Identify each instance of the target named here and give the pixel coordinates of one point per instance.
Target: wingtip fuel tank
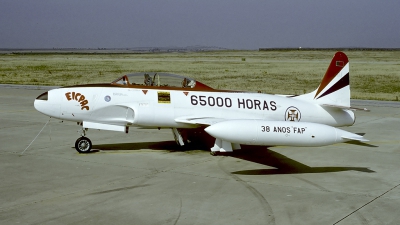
(279, 133)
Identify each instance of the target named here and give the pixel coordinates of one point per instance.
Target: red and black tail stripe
(345, 81)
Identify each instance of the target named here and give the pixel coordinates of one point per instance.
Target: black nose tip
(43, 96)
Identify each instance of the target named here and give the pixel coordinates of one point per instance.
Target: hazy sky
(237, 24)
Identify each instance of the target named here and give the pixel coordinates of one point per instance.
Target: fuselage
(157, 107)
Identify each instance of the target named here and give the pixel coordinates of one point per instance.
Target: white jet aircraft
(189, 107)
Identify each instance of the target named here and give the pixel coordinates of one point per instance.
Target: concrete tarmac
(144, 178)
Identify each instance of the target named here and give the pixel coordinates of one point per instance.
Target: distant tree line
(329, 49)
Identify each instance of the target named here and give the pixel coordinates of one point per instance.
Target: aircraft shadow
(361, 144)
(162, 145)
(257, 154)
(283, 164)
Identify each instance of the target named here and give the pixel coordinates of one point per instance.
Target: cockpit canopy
(155, 79)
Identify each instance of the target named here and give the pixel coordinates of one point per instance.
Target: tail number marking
(210, 101)
(227, 102)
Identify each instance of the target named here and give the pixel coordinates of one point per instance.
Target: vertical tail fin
(334, 88)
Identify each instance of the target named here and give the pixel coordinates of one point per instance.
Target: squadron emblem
(292, 114)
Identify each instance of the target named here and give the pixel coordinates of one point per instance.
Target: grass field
(373, 74)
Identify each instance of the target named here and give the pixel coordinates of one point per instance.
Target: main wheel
(83, 145)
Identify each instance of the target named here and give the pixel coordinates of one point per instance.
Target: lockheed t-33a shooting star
(189, 107)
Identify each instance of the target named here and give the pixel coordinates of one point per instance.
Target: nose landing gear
(83, 144)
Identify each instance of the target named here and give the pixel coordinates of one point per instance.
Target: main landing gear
(83, 144)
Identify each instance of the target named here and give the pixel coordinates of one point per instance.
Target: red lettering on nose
(85, 102)
(68, 95)
(77, 95)
(81, 98)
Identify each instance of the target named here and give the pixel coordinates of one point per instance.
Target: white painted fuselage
(165, 108)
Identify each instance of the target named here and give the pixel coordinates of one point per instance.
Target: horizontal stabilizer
(345, 107)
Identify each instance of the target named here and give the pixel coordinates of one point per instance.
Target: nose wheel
(83, 145)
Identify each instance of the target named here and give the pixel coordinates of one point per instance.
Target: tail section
(335, 86)
(334, 89)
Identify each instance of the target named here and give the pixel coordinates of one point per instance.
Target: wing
(199, 120)
(113, 118)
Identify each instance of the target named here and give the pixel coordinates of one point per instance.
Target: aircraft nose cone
(40, 106)
(40, 102)
(43, 105)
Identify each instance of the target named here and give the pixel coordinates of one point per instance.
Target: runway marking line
(366, 204)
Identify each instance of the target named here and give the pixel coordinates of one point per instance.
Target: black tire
(83, 145)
